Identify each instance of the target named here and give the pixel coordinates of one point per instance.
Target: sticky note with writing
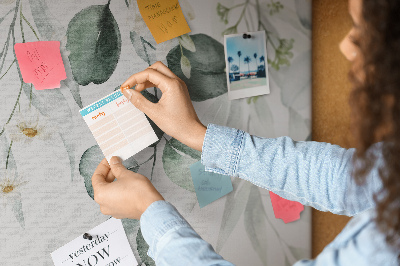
(118, 126)
(209, 186)
(41, 63)
(108, 246)
(287, 210)
(164, 18)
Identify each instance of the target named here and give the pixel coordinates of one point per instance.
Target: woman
(362, 182)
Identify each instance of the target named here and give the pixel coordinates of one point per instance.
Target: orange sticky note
(164, 18)
(41, 63)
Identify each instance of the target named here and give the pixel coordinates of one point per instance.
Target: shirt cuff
(222, 148)
(158, 219)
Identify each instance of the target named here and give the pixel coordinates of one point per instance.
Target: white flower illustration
(27, 126)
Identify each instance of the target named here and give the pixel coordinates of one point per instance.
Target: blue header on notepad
(102, 102)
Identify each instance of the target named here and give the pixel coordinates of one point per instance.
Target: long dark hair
(375, 103)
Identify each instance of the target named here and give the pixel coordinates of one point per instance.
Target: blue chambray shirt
(312, 173)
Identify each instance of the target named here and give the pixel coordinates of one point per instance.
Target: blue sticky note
(209, 186)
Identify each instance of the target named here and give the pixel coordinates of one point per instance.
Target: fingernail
(115, 160)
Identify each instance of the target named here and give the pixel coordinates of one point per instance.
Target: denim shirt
(312, 173)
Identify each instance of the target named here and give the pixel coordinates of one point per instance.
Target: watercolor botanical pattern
(48, 155)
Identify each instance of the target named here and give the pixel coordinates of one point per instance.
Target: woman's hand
(174, 113)
(127, 197)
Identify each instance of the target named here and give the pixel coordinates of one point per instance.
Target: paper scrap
(41, 63)
(109, 246)
(164, 18)
(287, 210)
(118, 126)
(209, 186)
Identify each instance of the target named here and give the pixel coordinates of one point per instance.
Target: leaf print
(234, 206)
(48, 26)
(207, 78)
(177, 158)
(303, 10)
(90, 160)
(46, 103)
(17, 208)
(143, 48)
(295, 92)
(299, 129)
(94, 42)
(131, 226)
(185, 66)
(187, 42)
(255, 223)
(142, 248)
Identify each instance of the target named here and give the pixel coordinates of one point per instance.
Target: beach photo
(246, 64)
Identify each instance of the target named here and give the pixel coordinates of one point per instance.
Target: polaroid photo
(246, 64)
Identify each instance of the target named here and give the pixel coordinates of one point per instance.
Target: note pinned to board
(209, 186)
(41, 64)
(164, 18)
(287, 210)
(118, 126)
(108, 246)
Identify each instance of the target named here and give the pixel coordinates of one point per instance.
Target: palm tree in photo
(255, 58)
(230, 60)
(239, 55)
(262, 59)
(247, 60)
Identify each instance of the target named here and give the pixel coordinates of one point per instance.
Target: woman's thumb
(117, 167)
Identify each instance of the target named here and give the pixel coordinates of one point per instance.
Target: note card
(209, 186)
(109, 246)
(118, 126)
(287, 210)
(164, 18)
(41, 63)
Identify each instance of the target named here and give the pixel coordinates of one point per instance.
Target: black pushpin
(246, 36)
(87, 236)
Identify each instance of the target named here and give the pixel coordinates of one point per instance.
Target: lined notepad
(118, 126)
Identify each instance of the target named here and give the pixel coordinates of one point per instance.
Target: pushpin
(87, 236)
(246, 36)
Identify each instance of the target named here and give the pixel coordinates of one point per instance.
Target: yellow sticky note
(164, 18)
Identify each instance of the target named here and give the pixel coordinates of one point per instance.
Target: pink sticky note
(41, 63)
(288, 211)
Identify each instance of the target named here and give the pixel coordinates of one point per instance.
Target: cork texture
(330, 99)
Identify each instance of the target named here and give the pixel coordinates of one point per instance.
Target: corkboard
(331, 88)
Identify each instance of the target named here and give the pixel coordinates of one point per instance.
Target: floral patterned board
(47, 153)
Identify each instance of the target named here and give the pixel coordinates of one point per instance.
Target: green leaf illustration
(295, 92)
(131, 226)
(143, 48)
(207, 78)
(48, 26)
(142, 248)
(185, 66)
(94, 42)
(234, 206)
(255, 223)
(299, 128)
(177, 158)
(90, 160)
(187, 42)
(303, 10)
(17, 208)
(46, 103)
